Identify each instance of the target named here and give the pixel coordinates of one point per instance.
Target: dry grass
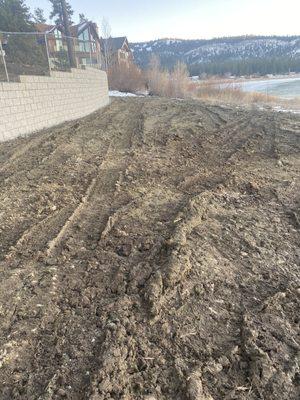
(218, 91)
(231, 93)
(291, 104)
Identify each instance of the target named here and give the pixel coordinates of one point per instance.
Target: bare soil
(151, 251)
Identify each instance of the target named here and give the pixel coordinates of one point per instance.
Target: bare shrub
(161, 82)
(157, 79)
(179, 80)
(126, 78)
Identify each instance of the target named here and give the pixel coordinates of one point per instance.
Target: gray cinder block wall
(43, 101)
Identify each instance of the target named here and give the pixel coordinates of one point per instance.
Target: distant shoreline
(265, 78)
(235, 80)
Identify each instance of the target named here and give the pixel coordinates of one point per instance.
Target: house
(116, 51)
(87, 48)
(85, 42)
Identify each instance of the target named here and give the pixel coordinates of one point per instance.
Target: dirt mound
(151, 251)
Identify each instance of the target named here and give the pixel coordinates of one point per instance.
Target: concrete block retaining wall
(43, 101)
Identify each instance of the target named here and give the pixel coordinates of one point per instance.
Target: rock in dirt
(124, 250)
(195, 390)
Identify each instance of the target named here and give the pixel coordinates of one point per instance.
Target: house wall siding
(39, 102)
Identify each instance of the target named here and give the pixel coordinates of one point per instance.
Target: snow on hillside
(246, 49)
(217, 50)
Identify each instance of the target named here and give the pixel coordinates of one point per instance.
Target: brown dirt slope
(151, 251)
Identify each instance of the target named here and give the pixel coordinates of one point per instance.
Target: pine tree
(57, 12)
(21, 50)
(15, 16)
(39, 16)
(82, 18)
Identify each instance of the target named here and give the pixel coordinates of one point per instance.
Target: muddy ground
(151, 251)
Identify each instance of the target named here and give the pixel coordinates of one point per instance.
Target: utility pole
(67, 33)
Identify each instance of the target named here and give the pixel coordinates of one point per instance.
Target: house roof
(114, 43)
(75, 30)
(44, 28)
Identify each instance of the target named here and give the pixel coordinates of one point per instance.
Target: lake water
(287, 88)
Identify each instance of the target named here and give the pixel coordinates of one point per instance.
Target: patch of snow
(284, 110)
(116, 93)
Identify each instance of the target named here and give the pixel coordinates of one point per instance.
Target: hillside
(201, 55)
(150, 251)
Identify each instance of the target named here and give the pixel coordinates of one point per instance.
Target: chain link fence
(39, 54)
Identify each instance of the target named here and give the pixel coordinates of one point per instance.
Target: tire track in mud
(23, 148)
(97, 202)
(174, 256)
(229, 141)
(215, 116)
(238, 135)
(27, 152)
(45, 227)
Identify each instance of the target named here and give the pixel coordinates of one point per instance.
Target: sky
(142, 20)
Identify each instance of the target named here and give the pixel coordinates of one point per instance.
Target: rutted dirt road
(151, 251)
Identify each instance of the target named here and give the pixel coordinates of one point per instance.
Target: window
(84, 44)
(58, 40)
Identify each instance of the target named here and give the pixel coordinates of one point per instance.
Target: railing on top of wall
(35, 53)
